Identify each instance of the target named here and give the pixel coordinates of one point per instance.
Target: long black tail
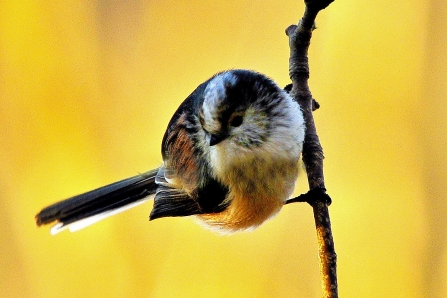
(87, 208)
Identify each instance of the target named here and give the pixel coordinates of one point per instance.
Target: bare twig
(299, 40)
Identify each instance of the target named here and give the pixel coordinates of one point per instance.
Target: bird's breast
(258, 189)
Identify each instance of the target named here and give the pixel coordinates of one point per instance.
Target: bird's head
(241, 108)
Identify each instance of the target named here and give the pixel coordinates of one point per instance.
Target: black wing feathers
(173, 202)
(195, 190)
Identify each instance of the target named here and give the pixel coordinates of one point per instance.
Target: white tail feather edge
(80, 224)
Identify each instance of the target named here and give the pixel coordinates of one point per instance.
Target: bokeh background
(86, 91)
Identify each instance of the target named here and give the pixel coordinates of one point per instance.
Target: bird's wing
(172, 201)
(185, 183)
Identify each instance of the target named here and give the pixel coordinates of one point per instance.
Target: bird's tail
(82, 210)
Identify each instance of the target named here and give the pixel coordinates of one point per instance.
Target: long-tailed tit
(230, 157)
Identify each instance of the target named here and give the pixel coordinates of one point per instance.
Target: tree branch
(299, 41)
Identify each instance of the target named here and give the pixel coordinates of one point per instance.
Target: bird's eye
(236, 121)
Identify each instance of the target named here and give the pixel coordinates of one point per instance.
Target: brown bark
(299, 41)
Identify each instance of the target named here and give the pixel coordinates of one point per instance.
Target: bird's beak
(217, 138)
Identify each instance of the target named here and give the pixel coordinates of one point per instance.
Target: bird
(230, 155)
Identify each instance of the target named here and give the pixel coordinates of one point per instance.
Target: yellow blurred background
(88, 87)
